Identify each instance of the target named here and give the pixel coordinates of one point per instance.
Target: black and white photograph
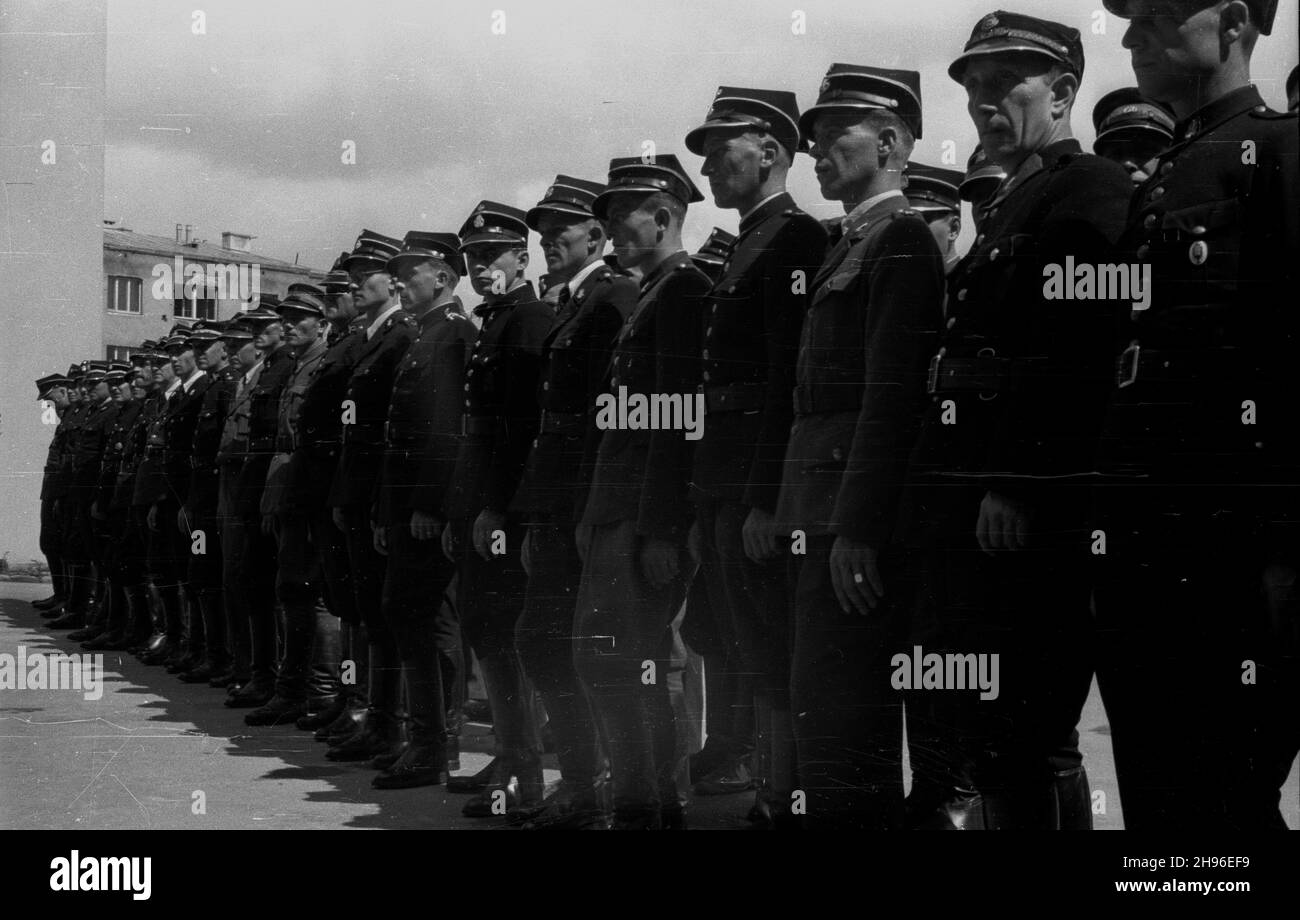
(560, 415)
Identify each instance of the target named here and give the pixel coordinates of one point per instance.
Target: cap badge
(826, 84)
(478, 221)
(988, 23)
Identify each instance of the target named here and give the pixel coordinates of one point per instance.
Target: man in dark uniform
(983, 178)
(257, 565)
(713, 253)
(298, 575)
(211, 348)
(632, 538)
(753, 317)
(593, 302)
(101, 545)
(500, 422)
(998, 506)
(54, 390)
(72, 508)
(424, 416)
(874, 310)
(1195, 600)
(933, 193)
(147, 462)
(318, 435)
(1131, 130)
(1293, 90)
(387, 335)
(180, 418)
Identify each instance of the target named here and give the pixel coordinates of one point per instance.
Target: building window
(121, 353)
(197, 308)
(123, 294)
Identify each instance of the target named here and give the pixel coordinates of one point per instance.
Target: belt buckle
(1126, 369)
(932, 379)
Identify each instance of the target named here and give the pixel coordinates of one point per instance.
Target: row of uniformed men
(963, 468)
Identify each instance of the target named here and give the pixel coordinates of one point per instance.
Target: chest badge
(1198, 252)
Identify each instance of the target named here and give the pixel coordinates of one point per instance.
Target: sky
(243, 127)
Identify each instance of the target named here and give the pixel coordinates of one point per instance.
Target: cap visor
(1000, 46)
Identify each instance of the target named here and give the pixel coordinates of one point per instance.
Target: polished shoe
(160, 655)
(73, 620)
(251, 696)
(475, 782)
(222, 680)
(386, 760)
(419, 765)
(379, 735)
(345, 726)
(513, 786)
(45, 603)
(319, 719)
(86, 634)
(276, 712)
(199, 675)
(150, 643)
(731, 777)
(562, 809)
(53, 613)
(105, 641)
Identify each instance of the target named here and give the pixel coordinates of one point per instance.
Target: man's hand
(339, 520)
(152, 518)
(659, 561)
(855, 576)
(695, 543)
(379, 535)
(425, 526)
(759, 536)
(1003, 523)
(449, 541)
(525, 552)
(581, 537)
(485, 525)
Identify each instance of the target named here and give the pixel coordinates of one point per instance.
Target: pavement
(153, 752)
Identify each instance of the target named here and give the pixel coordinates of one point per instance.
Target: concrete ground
(156, 753)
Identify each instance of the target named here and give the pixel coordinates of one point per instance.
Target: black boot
(517, 785)
(380, 733)
(252, 695)
(277, 711)
(324, 717)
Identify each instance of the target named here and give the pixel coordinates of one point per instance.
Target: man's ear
(1064, 88)
(954, 227)
(522, 259)
(663, 219)
(886, 143)
(1233, 20)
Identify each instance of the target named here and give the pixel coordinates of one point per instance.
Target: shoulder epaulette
(1263, 111)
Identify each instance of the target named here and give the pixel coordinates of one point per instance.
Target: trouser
(423, 627)
(622, 649)
(367, 575)
(205, 573)
(1013, 632)
(78, 547)
(306, 621)
(545, 637)
(1198, 651)
(258, 584)
(168, 551)
(234, 535)
(490, 599)
(848, 718)
(51, 543)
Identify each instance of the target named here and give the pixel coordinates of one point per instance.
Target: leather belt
(982, 373)
(1151, 365)
(561, 421)
(735, 397)
(842, 397)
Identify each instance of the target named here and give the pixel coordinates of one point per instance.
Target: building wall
(157, 316)
(52, 62)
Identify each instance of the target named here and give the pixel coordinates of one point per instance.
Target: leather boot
(1069, 801)
(252, 695)
(277, 711)
(347, 723)
(71, 619)
(380, 733)
(475, 782)
(324, 717)
(516, 785)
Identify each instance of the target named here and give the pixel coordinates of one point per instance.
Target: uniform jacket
(180, 419)
(752, 319)
(574, 364)
(500, 403)
(860, 378)
(52, 482)
(217, 401)
(643, 475)
(88, 450)
(137, 463)
(115, 449)
(1218, 223)
(424, 416)
(1039, 429)
(279, 471)
(319, 425)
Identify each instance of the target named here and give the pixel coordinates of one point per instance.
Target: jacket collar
(773, 206)
(523, 293)
(1215, 113)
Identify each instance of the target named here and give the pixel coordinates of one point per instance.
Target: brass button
(993, 256)
(546, 384)
(952, 321)
(837, 454)
(1149, 221)
(1143, 251)
(979, 239)
(1157, 193)
(961, 295)
(706, 354)
(1198, 252)
(1166, 167)
(706, 376)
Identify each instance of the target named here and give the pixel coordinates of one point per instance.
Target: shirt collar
(582, 274)
(171, 387)
(652, 277)
(854, 217)
(248, 374)
(1218, 111)
(379, 320)
(188, 383)
(759, 211)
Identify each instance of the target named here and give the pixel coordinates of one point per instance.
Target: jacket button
(467, 388)
(546, 384)
(837, 454)
(1198, 252)
(706, 376)
(731, 290)
(979, 239)
(1143, 250)
(1166, 167)
(1149, 221)
(952, 321)
(961, 295)
(1157, 193)
(993, 254)
(705, 354)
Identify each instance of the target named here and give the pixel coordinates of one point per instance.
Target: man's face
(633, 228)
(418, 283)
(163, 374)
(1171, 50)
(213, 356)
(100, 392)
(370, 289)
(246, 356)
(183, 361)
(1009, 98)
(339, 308)
(302, 328)
(845, 153)
(59, 396)
(269, 336)
(1134, 154)
(732, 164)
(119, 393)
(567, 243)
(945, 228)
(490, 262)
